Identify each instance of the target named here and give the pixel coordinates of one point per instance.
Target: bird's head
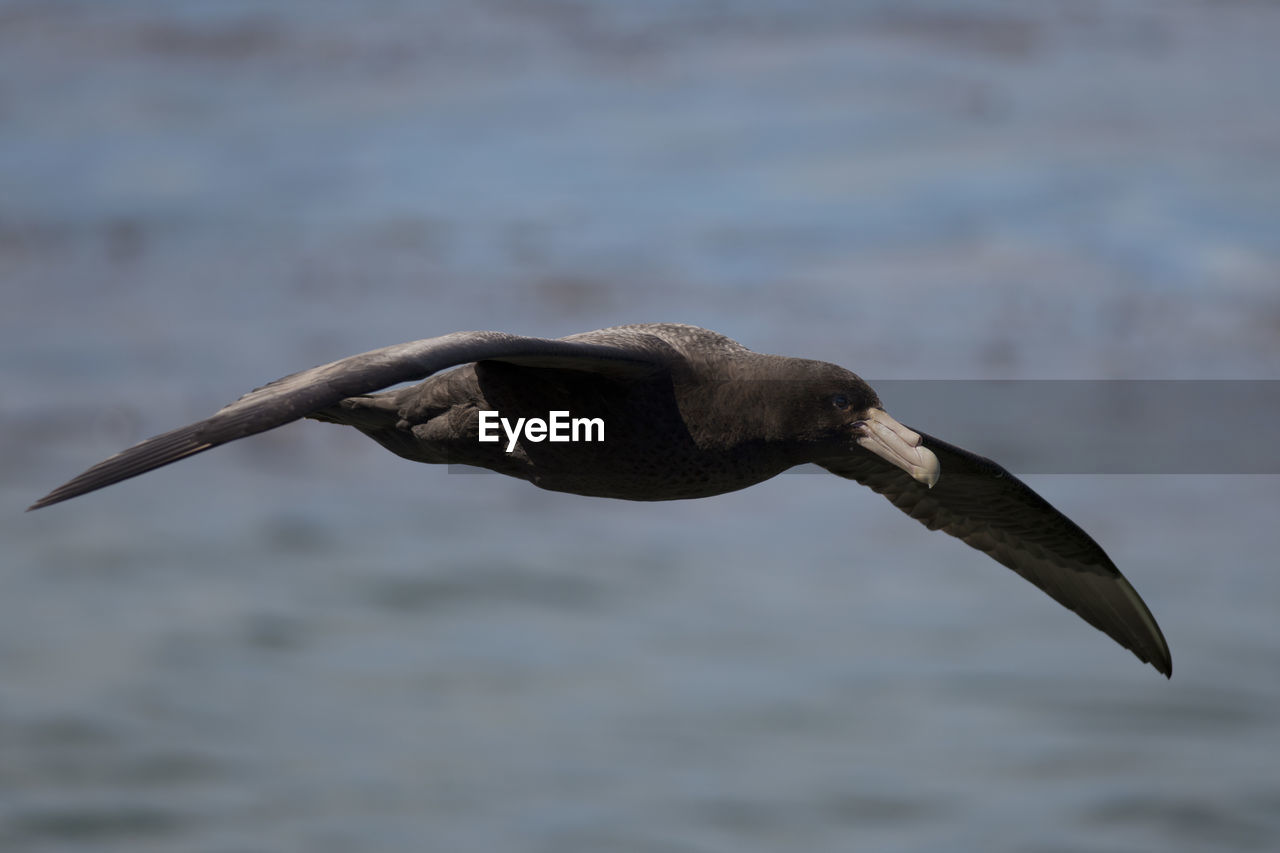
(841, 412)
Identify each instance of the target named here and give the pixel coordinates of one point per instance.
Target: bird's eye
(840, 401)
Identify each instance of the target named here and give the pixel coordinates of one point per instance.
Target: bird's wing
(984, 505)
(299, 394)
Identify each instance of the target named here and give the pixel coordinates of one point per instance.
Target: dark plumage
(689, 413)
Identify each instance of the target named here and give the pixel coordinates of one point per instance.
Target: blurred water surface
(302, 642)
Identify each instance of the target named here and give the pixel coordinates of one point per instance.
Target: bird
(683, 413)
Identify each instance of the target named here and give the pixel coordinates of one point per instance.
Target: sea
(299, 641)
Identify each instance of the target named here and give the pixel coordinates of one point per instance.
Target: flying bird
(686, 413)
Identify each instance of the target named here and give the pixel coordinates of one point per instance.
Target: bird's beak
(894, 443)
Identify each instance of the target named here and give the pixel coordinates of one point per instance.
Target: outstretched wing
(984, 505)
(299, 394)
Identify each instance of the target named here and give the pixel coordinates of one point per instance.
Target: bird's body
(670, 433)
(685, 413)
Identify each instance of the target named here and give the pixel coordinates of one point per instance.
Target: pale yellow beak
(894, 443)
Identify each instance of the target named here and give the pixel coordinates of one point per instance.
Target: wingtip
(1162, 658)
(65, 492)
(1161, 661)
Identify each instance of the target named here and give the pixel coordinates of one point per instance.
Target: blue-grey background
(301, 642)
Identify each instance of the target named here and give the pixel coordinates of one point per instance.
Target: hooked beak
(894, 443)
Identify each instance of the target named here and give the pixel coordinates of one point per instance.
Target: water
(302, 642)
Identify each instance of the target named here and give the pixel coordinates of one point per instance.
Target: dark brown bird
(686, 413)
